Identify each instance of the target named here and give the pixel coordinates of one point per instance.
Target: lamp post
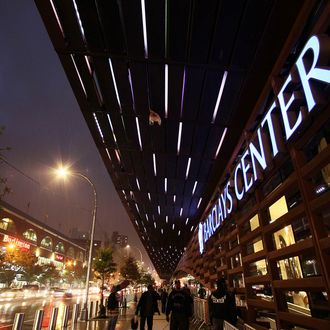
(128, 246)
(64, 172)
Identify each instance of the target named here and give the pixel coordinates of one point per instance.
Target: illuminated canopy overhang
(200, 65)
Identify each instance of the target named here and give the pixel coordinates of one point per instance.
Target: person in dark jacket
(163, 299)
(147, 306)
(220, 305)
(112, 300)
(179, 305)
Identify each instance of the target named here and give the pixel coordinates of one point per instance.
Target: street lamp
(64, 172)
(128, 246)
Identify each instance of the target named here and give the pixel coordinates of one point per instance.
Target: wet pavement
(123, 321)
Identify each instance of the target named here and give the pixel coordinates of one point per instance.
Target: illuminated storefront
(18, 230)
(267, 229)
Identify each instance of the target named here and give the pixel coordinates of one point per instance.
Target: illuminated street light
(128, 246)
(64, 172)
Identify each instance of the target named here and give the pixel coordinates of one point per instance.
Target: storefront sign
(20, 244)
(300, 94)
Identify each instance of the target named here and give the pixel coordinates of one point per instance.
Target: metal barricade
(248, 327)
(201, 312)
(228, 326)
(90, 310)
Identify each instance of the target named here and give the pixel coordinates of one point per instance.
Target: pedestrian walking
(163, 299)
(221, 305)
(179, 306)
(147, 306)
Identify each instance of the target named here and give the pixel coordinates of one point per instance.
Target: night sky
(44, 126)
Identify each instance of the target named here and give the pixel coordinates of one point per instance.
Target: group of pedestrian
(178, 306)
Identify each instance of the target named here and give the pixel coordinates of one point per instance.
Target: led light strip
(179, 138)
(222, 86)
(144, 23)
(154, 162)
(112, 131)
(78, 74)
(98, 126)
(115, 84)
(221, 141)
(166, 90)
(138, 131)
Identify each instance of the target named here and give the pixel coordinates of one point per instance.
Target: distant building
(119, 240)
(29, 234)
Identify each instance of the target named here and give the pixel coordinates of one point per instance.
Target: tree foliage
(130, 270)
(146, 279)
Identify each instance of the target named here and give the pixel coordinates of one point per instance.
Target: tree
(4, 189)
(130, 270)
(24, 262)
(103, 266)
(7, 274)
(146, 279)
(50, 274)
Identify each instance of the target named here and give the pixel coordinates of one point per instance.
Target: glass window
(47, 243)
(236, 260)
(255, 246)
(258, 268)
(254, 222)
(70, 252)
(238, 281)
(31, 235)
(8, 225)
(278, 209)
(60, 247)
(284, 237)
(289, 268)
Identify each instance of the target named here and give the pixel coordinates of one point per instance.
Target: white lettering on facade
(268, 135)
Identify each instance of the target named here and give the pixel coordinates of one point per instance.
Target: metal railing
(201, 316)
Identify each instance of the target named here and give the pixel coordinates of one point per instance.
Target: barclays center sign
(299, 95)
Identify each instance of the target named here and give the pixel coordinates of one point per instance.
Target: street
(29, 305)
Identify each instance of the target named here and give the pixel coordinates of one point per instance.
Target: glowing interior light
(162, 231)
(123, 191)
(98, 126)
(179, 138)
(181, 210)
(154, 161)
(144, 23)
(107, 151)
(137, 223)
(195, 185)
(166, 219)
(155, 225)
(179, 233)
(188, 168)
(138, 131)
(199, 202)
(221, 141)
(149, 196)
(137, 183)
(115, 84)
(187, 220)
(166, 90)
(222, 86)
(173, 226)
(79, 20)
(111, 127)
(117, 155)
(174, 198)
(165, 185)
(78, 74)
(158, 209)
(57, 18)
(137, 208)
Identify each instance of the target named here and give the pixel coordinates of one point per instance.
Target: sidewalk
(123, 322)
